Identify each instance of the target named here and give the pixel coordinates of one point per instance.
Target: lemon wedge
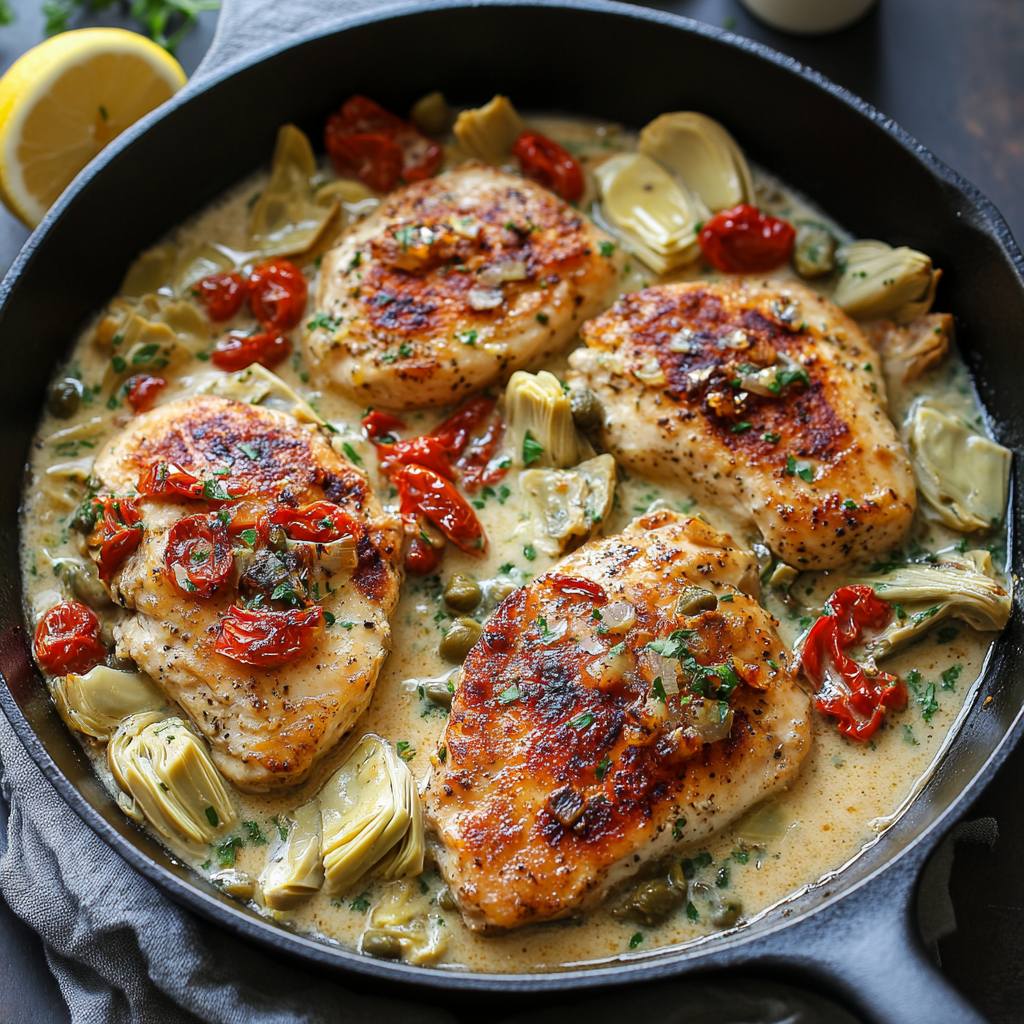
(64, 100)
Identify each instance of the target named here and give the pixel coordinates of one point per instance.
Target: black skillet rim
(659, 964)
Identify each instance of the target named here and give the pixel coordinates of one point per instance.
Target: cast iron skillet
(854, 937)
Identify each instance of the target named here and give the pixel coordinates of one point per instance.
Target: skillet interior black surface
(618, 63)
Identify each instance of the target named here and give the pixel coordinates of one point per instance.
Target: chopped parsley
(770, 438)
(638, 937)
(602, 768)
(741, 428)
(352, 454)
(606, 248)
(256, 836)
(212, 817)
(405, 750)
(658, 690)
(360, 903)
(532, 448)
(580, 722)
(678, 829)
(950, 676)
(530, 552)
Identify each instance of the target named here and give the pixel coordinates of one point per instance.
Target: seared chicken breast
(633, 698)
(288, 691)
(453, 284)
(767, 400)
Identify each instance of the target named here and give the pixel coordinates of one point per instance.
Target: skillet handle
(245, 27)
(868, 948)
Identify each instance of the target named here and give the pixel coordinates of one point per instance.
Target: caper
(65, 397)
(88, 588)
(440, 691)
(84, 519)
(431, 114)
(651, 902)
(462, 593)
(587, 412)
(455, 644)
(445, 900)
(728, 914)
(381, 944)
(696, 599)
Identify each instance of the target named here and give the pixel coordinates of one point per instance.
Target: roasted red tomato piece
(117, 532)
(379, 425)
(198, 557)
(277, 294)
(322, 522)
(266, 639)
(844, 690)
(235, 350)
(745, 241)
(422, 558)
(366, 140)
(68, 640)
(422, 491)
(478, 465)
(548, 164)
(142, 390)
(222, 295)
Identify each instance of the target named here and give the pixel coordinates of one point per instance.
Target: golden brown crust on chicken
(561, 766)
(768, 400)
(266, 726)
(452, 285)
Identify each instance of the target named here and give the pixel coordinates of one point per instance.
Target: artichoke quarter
(96, 703)
(572, 502)
(963, 475)
(958, 588)
(167, 777)
(541, 428)
(652, 212)
(295, 870)
(877, 280)
(488, 132)
(702, 154)
(368, 807)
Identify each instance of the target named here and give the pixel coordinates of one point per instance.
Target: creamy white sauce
(845, 794)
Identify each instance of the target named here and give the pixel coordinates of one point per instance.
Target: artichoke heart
(286, 219)
(295, 870)
(257, 385)
(653, 213)
(400, 926)
(367, 808)
(151, 271)
(167, 776)
(700, 152)
(877, 280)
(201, 262)
(572, 502)
(96, 703)
(911, 350)
(963, 476)
(958, 588)
(541, 428)
(488, 132)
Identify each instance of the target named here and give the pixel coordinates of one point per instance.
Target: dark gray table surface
(952, 73)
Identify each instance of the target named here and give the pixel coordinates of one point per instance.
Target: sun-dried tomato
(165, 479)
(198, 556)
(322, 522)
(454, 433)
(378, 425)
(236, 350)
(266, 639)
(277, 294)
(421, 557)
(222, 295)
(366, 140)
(68, 640)
(420, 451)
(745, 241)
(844, 690)
(548, 164)
(422, 491)
(117, 532)
(142, 390)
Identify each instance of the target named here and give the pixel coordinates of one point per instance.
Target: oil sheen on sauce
(844, 796)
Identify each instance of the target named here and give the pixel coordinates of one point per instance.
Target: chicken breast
(266, 724)
(453, 284)
(587, 735)
(767, 400)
